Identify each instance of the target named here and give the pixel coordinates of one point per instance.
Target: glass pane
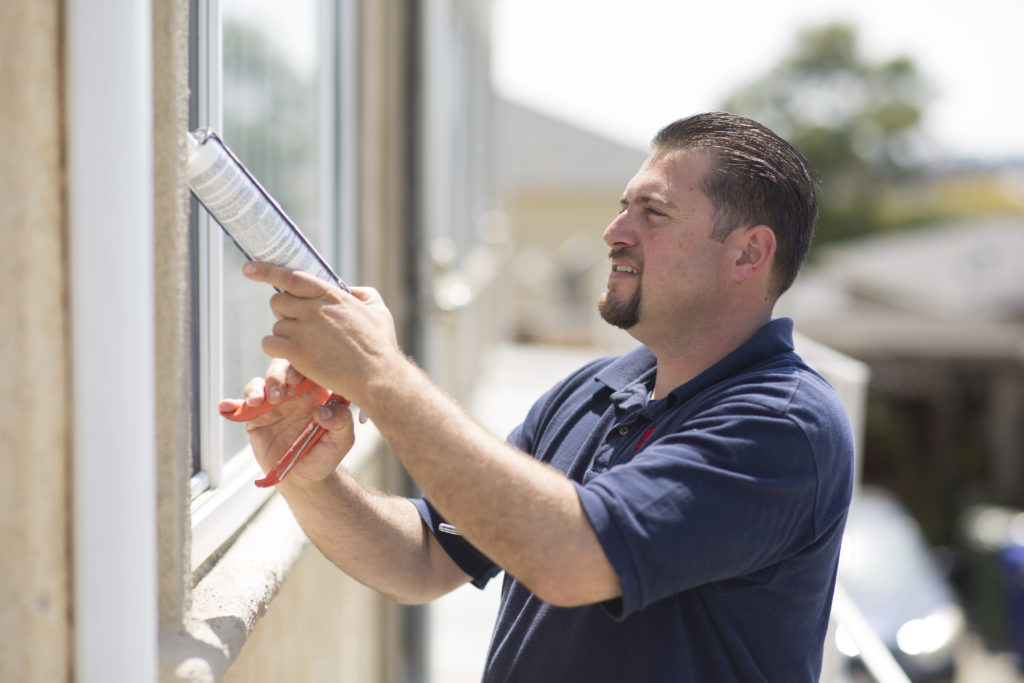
(271, 106)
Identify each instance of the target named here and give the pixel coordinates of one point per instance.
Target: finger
(277, 380)
(255, 392)
(367, 295)
(281, 344)
(229, 405)
(295, 282)
(276, 345)
(334, 416)
(286, 306)
(294, 376)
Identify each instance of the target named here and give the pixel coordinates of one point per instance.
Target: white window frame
(108, 55)
(223, 495)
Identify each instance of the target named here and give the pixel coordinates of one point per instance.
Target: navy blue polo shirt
(721, 507)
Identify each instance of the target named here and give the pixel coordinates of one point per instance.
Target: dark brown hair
(755, 178)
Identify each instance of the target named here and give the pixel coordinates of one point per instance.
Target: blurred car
(893, 578)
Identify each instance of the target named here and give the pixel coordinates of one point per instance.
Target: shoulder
(611, 373)
(779, 408)
(800, 421)
(582, 397)
(785, 385)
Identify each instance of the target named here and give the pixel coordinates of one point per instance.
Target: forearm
(523, 514)
(375, 538)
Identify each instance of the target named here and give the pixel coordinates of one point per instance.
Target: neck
(681, 361)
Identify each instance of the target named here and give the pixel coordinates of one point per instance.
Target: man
(681, 516)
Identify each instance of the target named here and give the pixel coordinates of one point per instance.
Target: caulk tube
(247, 213)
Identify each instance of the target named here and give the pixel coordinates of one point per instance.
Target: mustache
(625, 253)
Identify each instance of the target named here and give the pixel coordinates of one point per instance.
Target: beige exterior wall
(34, 502)
(174, 299)
(315, 630)
(322, 626)
(271, 609)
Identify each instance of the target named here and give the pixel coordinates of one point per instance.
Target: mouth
(623, 268)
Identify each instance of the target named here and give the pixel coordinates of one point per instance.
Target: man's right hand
(272, 433)
(376, 538)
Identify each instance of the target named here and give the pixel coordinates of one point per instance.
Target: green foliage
(858, 122)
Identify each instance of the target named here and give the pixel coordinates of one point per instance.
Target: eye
(653, 212)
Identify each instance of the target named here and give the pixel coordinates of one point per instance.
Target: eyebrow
(651, 198)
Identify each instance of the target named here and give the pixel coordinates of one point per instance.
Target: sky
(624, 68)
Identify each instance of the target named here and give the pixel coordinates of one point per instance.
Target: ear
(756, 251)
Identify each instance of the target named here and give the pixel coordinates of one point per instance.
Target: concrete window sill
(228, 601)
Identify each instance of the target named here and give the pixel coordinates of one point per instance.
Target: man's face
(665, 268)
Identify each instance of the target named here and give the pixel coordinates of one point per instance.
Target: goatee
(622, 314)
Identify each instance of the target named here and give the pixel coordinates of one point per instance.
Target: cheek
(689, 267)
(679, 255)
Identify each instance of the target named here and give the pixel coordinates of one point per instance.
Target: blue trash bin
(1011, 564)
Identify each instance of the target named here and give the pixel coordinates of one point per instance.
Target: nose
(620, 232)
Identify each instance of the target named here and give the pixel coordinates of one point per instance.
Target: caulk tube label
(247, 212)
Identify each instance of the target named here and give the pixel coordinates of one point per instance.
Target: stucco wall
(173, 309)
(260, 614)
(317, 624)
(322, 626)
(34, 599)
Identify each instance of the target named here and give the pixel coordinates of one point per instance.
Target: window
(266, 76)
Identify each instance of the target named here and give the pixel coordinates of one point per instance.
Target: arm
(523, 514)
(377, 539)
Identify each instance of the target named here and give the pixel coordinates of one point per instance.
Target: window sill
(228, 601)
(218, 514)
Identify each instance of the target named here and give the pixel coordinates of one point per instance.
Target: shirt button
(623, 430)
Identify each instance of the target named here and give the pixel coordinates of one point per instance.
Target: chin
(622, 314)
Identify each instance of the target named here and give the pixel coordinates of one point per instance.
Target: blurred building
(561, 188)
(938, 314)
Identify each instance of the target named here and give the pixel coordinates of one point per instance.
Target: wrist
(385, 389)
(304, 488)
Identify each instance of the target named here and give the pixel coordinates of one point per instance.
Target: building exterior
(136, 547)
(562, 188)
(937, 312)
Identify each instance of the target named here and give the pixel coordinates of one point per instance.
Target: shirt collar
(628, 374)
(773, 339)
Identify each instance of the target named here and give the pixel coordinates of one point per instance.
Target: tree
(857, 122)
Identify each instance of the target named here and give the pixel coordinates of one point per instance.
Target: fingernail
(248, 268)
(275, 394)
(325, 412)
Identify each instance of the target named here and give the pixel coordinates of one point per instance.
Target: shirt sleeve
(470, 560)
(724, 500)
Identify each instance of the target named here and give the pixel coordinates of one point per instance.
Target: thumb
(333, 415)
